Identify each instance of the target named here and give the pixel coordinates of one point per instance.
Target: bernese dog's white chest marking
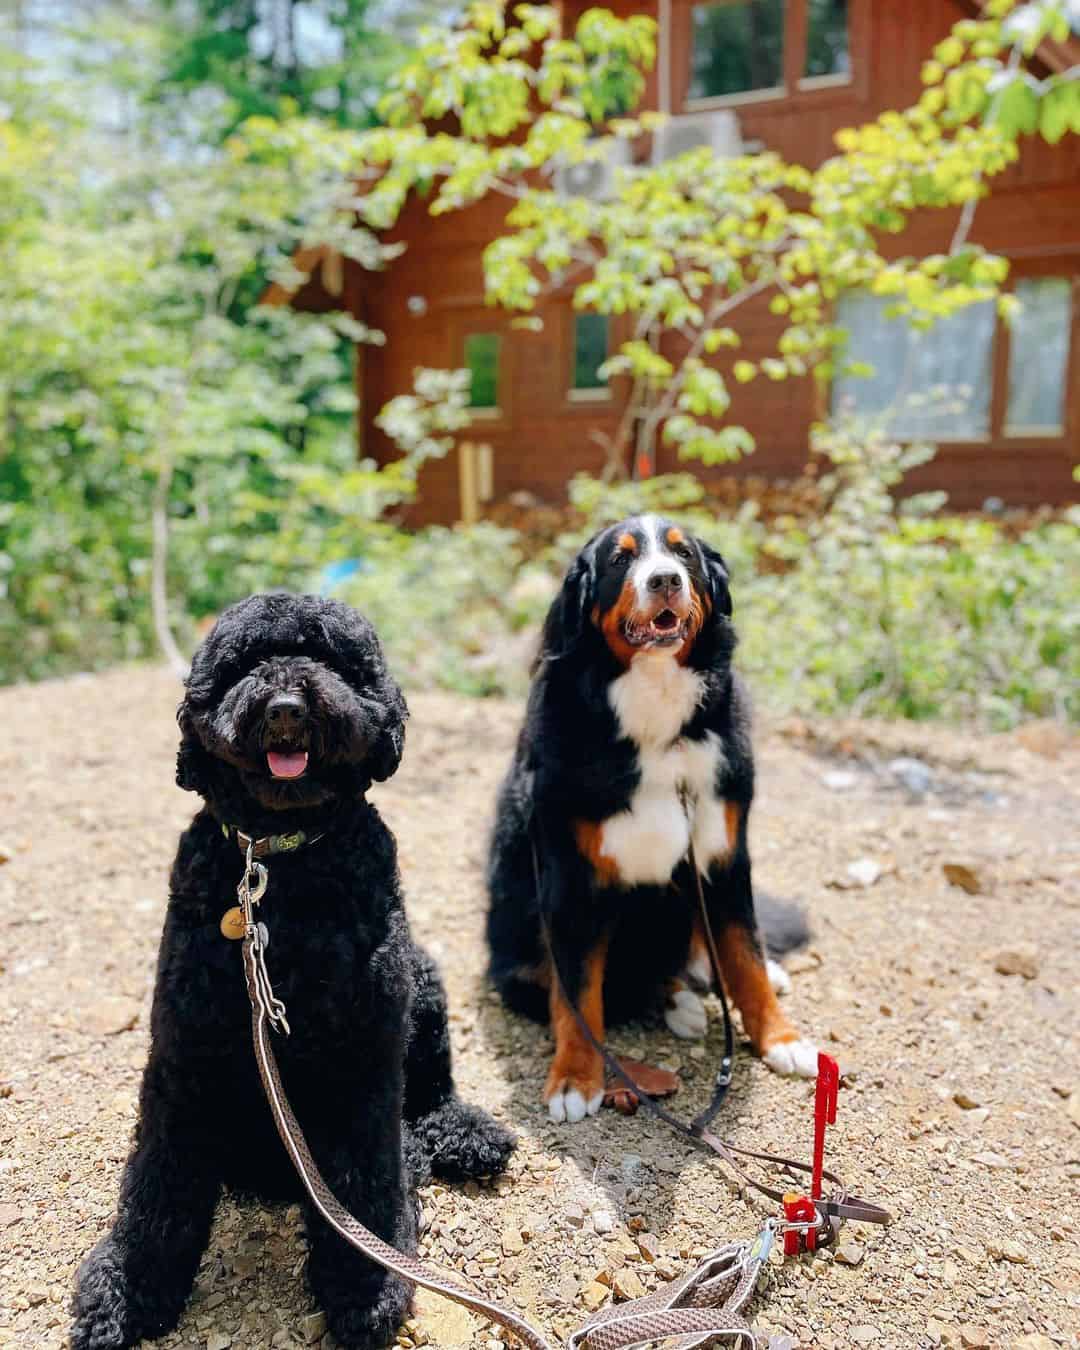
(652, 702)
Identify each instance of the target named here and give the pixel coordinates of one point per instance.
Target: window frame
(795, 88)
(594, 394)
(485, 322)
(998, 440)
(1070, 422)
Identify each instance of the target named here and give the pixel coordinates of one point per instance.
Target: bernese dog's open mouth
(287, 763)
(665, 629)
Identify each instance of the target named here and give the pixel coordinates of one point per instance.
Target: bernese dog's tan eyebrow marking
(626, 542)
(675, 536)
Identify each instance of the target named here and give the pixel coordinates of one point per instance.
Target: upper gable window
(765, 48)
(827, 52)
(737, 47)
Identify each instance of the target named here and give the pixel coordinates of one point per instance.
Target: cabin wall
(542, 437)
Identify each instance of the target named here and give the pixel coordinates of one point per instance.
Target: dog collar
(269, 844)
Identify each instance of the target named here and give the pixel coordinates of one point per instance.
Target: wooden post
(476, 474)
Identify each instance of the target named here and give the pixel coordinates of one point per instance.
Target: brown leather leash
(701, 1308)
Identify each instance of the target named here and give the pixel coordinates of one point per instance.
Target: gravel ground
(961, 1103)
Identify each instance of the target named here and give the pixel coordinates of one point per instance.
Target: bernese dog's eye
(621, 557)
(683, 551)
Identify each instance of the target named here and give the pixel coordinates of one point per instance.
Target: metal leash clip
(258, 935)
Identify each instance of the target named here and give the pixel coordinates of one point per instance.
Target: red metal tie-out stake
(801, 1208)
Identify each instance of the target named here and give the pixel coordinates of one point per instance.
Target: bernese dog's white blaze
(654, 559)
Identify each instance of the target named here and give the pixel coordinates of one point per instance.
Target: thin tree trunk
(159, 568)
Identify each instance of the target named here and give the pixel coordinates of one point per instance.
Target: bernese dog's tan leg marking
(746, 979)
(589, 835)
(575, 1082)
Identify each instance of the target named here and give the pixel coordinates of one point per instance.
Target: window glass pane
(482, 361)
(827, 50)
(590, 350)
(933, 384)
(737, 46)
(1039, 357)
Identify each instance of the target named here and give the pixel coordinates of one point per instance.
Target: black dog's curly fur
(367, 1066)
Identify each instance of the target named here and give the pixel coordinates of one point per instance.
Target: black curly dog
(289, 716)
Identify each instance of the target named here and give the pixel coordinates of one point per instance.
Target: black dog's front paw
(463, 1141)
(370, 1325)
(104, 1317)
(111, 1314)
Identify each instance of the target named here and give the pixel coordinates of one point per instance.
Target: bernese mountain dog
(636, 742)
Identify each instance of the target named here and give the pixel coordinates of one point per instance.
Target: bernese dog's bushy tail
(783, 924)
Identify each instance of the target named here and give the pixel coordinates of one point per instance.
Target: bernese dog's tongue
(289, 764)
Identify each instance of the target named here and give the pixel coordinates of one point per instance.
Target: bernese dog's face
(653, 588)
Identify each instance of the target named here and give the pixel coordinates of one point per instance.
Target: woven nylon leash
(702, 1308)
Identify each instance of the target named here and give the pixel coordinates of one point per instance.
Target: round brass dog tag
(232, 923)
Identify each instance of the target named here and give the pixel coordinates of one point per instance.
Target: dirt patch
(960, 1110)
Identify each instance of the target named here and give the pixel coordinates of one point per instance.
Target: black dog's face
(263, 724)
(287, 727)
(648, 585)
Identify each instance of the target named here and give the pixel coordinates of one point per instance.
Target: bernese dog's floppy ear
(191, 758)
(718, 577)
(569, 613)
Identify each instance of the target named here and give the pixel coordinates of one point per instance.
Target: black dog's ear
(191, 758)
(718, 576)
(384, 754)
(569, 613)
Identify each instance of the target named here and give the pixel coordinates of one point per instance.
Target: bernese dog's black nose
(665, 581)
(286, 712)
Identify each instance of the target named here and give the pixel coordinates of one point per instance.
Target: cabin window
(590, 353)
(827, 53)
(934, 385)
(1039, 358)
(482, 352)
(737, 47)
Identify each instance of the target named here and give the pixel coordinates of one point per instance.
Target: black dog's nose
(665, 581)
(286, 712)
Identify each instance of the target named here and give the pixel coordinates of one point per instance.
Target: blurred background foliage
(147, 403)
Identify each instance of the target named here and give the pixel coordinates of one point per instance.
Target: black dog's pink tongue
(290, 765)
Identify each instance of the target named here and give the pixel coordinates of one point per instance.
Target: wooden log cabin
(783, 74)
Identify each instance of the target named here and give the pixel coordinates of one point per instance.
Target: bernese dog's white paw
(778, 977)
(797, 1058)
(568, 1106)
(685, 1015)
